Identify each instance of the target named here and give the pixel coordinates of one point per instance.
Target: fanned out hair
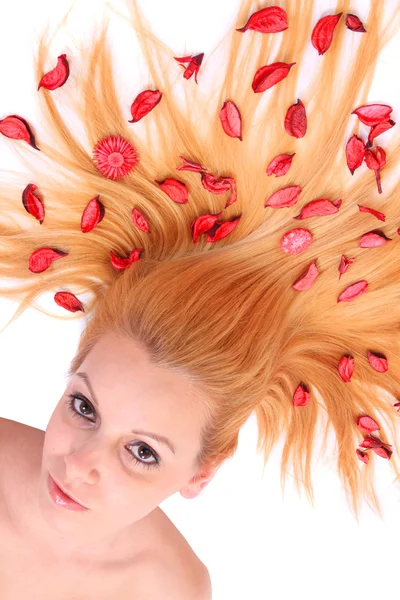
(204, 280)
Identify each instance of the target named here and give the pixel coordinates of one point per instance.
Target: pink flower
(114, 156)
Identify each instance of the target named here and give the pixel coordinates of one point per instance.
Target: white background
(255, 544)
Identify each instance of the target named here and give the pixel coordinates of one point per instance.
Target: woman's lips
(68, 496)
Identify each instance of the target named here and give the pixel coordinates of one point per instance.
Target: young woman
(207, 302)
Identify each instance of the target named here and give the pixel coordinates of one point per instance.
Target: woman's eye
(84, 401)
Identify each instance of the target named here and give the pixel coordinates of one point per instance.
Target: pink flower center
(115, 159)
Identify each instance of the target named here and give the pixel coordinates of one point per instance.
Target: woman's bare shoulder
(165, 580)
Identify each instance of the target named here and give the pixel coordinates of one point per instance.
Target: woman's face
(93, 449)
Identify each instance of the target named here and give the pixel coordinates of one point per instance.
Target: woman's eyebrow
(158, 437)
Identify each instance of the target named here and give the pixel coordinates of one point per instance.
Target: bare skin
(94, 458)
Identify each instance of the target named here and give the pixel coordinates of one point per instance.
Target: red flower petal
(308, 278)
(353, 291)
(376, 213)
(354, 23)
(383, 451)
(366, 423)
(355, 149)
(124, 263)
(362, 456)
(373, 239)
(189, 165)
(269, 75)
(139, 220)
(193, 66)
(322, 34)
(344, 264)
(371, 442)
(175, 189)
(285, 197)
(202, 224)
(280, 165)
(92, 215)
(68, 301)
(17, 128)
(378, 361)
(115, 157)
(378, 129)
(41, 259)
(32, 204)
(231, 120)
(216, 185)
(219, 185)
(221, 229)
(296, 120)
(267, 20)
(346, 368)
(372, 114)
(57, 76)
(319, 207)
(144, 103)
(296, 240)
(301, 397)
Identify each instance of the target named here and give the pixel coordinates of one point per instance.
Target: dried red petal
(378, 361)
(380, 156)
(32, 204)
(216, 185)
(318, 208)
(189, 165)
(383, 451)
(269, 75)
(92, 215)
(231, 120)
(144, 103)
(373, 239)
(295, 123)
(344, 264)
(355, 149)
(376, 213)
(17, 128)
(280, 165)
(378, 129)
(371, 442)
(68, 301)
(285, 197)
(397, 406)
(346, 368)
(362, 456)
(322, 34)
(233, 197)
(221, 229)
(193, 66)
(202, 224)
(296, 240)
(372, 114)
(354, 23)
(267, 20)
(308, 278)
(57, 76)
(375, 162)
(140, 221)
(124, 263)
(353, 291)
(175, 189)
(301, 397)
(219, 185)
(366, 423)
(41, 259)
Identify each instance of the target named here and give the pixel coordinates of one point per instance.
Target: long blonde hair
(224, 314)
